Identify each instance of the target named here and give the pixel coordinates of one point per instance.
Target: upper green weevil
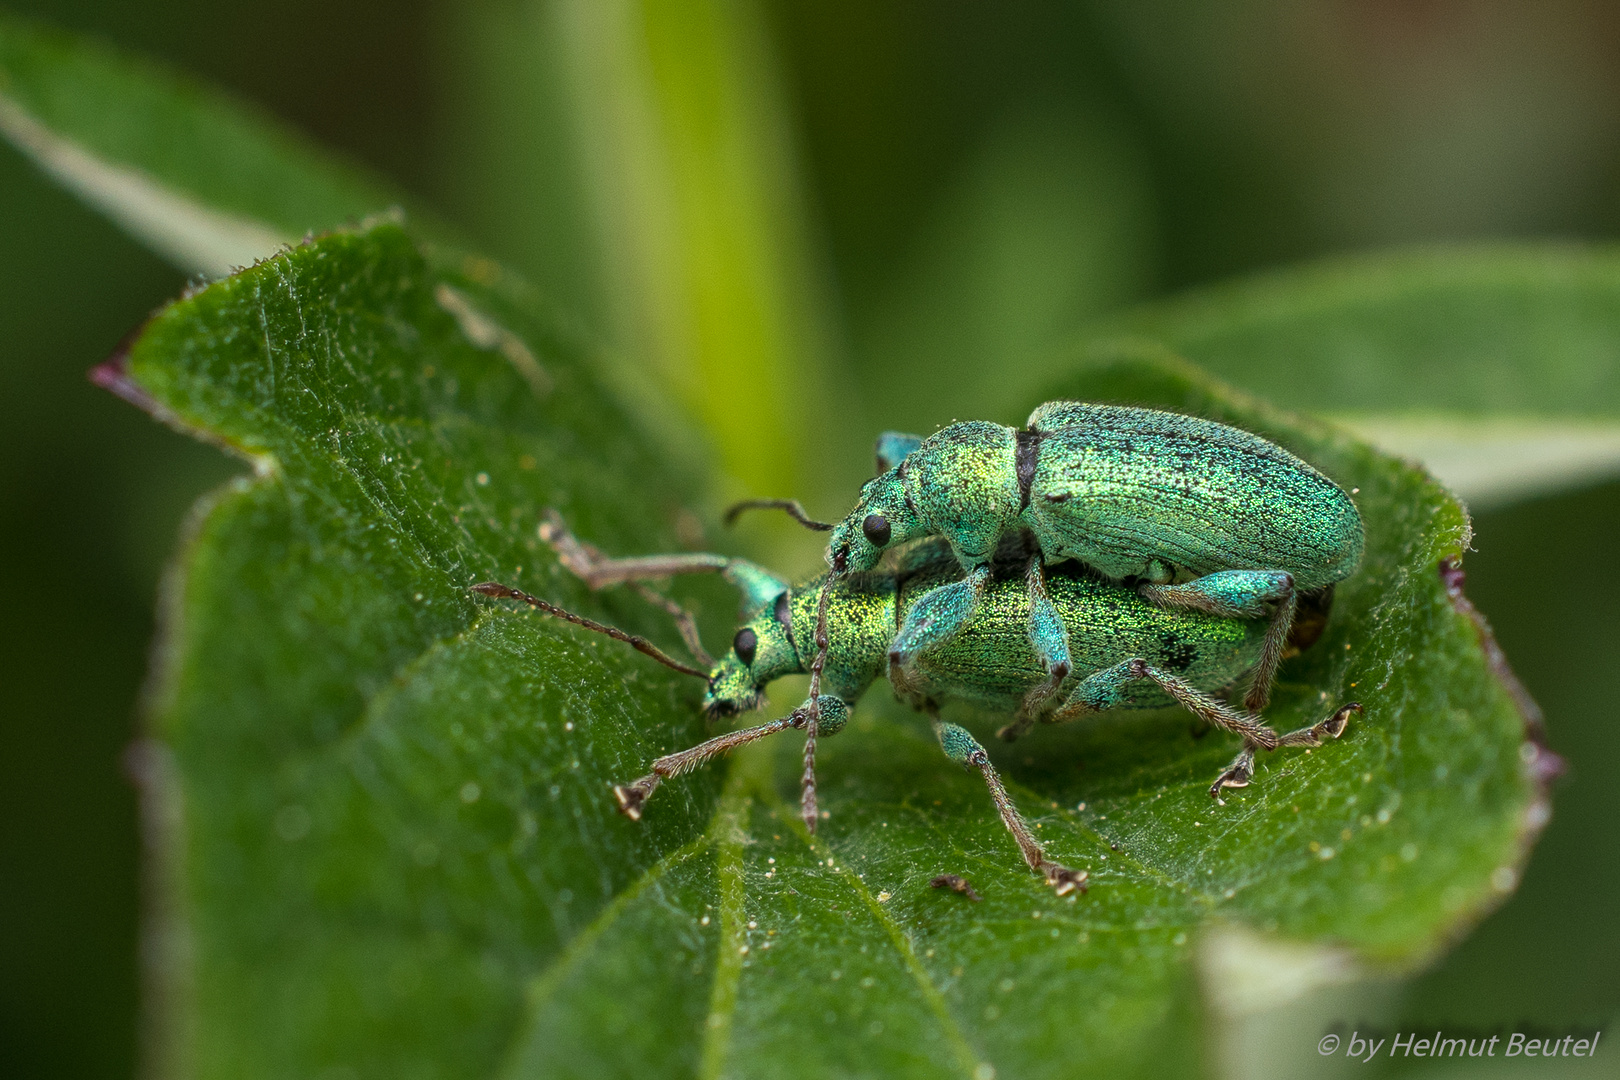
(1158, 500)
(1124, 653)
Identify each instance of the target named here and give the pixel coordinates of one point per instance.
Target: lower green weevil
(1126, 653)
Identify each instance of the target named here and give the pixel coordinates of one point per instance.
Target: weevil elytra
(1165, 502)
(1125, 653)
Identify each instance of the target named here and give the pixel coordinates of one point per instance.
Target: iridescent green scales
(1171, 504)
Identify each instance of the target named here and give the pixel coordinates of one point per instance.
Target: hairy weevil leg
(1051, 641)
(1105, 690)
(632, 796)
(1242, 594)
(1330, 728)
(963, 748)
(937, 615)
(1241, 771)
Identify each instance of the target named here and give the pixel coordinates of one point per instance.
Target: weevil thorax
(882, 519)
(761, 651)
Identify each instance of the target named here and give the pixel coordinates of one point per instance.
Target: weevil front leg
(758, 585)
(935, 616)
(963, 748)
(1240, 594)
(633, 796)
(1051, 641)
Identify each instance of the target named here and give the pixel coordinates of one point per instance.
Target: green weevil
(1165, 502)
(1125, 653)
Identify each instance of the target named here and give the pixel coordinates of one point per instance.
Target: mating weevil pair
(1197, 543)
(1138, 510)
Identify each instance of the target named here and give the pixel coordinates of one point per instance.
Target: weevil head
(761, 651)
(881, 520)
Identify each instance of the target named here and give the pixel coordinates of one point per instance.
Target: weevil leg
(1051, 641)
(1243, 594)
(587, 562)
(633, 796)
(1105, 690)
(1241, 771)
(963, 748)
(1238, 774)
(598, 571)
(937, 615)
(1330, 728)
(815, 723)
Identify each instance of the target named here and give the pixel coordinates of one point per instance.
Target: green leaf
(1497, 366)
(205, 181)
(389, 842)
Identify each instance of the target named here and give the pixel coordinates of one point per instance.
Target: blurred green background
(963, 187)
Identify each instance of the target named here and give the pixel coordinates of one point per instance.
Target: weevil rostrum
(1125, 653)
(1166, 503)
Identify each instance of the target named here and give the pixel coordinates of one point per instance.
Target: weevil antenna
(789, 506)
(640, 644)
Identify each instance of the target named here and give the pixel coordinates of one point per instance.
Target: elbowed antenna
(640, 644)
(790, 507)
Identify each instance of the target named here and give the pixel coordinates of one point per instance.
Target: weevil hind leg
(964, 749)
(1330, 728)
(1243, 594)
(1241, 771)
(1106, 690)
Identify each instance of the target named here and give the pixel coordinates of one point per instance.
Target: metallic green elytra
(1156, 499)
(1123, 652)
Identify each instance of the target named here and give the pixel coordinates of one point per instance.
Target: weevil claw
(632, 797)
(1335, 724)
(1064, 880)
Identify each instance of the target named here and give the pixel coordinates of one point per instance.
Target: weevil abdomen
(1118, 488)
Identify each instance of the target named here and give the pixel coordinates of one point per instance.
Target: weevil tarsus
(1241, 771)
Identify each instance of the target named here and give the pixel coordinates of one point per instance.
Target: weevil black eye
(877, 530)
(746, 643)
